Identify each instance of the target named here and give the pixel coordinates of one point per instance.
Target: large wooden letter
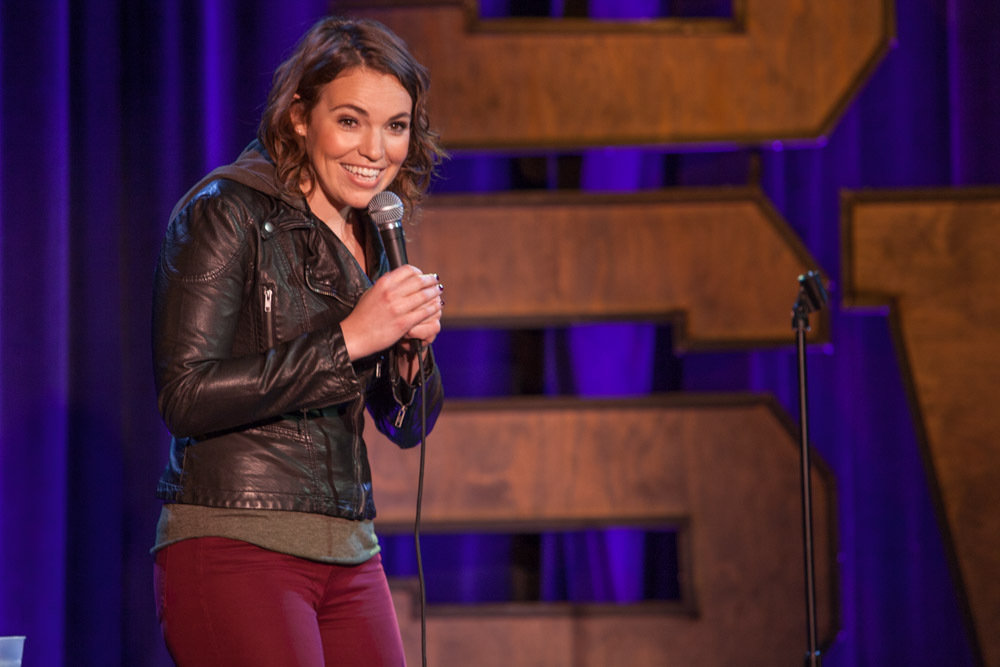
(779, 70)
(931, 257)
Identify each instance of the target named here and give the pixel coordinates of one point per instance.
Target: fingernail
(440, 286)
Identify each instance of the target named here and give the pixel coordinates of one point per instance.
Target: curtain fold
(35, 323)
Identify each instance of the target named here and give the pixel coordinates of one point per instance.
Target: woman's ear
(298, 116)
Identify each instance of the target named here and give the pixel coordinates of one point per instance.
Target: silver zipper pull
(268, 293)
(400, 416)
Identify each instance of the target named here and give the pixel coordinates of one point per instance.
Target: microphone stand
(812, 296)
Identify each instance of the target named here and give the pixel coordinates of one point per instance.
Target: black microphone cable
(420, 498)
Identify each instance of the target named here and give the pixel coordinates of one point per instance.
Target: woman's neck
(338, 220)
(342, 223)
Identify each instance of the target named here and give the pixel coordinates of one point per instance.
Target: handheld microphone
(386, 211)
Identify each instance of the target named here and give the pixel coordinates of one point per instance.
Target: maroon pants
(225, 602)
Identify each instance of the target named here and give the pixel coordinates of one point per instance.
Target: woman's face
(357, 137)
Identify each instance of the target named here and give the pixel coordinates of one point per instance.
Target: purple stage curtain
(110, 110)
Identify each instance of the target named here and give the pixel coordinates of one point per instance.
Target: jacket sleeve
(397, 406)
(201, 284)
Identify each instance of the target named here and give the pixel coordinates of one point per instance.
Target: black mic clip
(812, 296)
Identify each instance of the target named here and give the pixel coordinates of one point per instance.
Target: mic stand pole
(812, 295)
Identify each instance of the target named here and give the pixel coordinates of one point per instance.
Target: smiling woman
(277, 324)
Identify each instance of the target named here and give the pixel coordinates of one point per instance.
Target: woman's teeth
(363, 172)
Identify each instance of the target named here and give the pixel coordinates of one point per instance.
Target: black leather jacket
(253, 378)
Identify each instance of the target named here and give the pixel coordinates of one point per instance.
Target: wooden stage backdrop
(716, 261)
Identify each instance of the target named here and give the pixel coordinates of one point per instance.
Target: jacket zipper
(268, 317)
(400, 416)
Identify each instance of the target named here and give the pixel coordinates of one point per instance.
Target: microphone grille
(385, 207)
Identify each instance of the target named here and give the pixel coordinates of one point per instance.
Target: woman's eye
(347, 121)
(399, 126)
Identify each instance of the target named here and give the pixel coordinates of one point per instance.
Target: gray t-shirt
(318, 537)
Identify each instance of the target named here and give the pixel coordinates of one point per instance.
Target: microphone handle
(394, 243)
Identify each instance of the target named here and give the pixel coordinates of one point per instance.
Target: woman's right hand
(395, 304)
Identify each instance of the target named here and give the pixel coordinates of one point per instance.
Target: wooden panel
(728, 467)
(932, 257)
(722, 259)
(781, 70)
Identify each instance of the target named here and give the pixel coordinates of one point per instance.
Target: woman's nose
(372, 146)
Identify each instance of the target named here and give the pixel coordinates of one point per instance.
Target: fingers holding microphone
(414, 346)
(404, 303)
(431, 294)
(386, 211)
(423, 291)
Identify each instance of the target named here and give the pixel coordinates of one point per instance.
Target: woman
(277, 322)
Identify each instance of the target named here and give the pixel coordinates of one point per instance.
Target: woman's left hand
(424, 333)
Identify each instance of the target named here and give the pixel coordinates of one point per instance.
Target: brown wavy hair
(332, 46)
